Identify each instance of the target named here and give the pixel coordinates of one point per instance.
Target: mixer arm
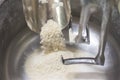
(104, 27)
(83, 35)
(83, 32)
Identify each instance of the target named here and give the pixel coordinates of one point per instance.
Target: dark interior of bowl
(13, 25)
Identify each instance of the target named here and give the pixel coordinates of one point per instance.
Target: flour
(40, 66)
(51, 37)
(44, 66)
(47, 64)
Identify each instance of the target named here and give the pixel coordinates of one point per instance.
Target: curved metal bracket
(82, 60)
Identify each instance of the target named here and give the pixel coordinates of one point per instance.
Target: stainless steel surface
(1, 1)
(24, 42)
(37, 12)
(85, 60)
(88, 8)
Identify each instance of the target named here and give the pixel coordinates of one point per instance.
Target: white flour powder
(42, 66)
(52, 37)
(47, 66)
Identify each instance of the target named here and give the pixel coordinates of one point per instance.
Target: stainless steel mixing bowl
(17, 42)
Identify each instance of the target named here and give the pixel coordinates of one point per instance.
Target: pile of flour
(47, 64)
(51, 37)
